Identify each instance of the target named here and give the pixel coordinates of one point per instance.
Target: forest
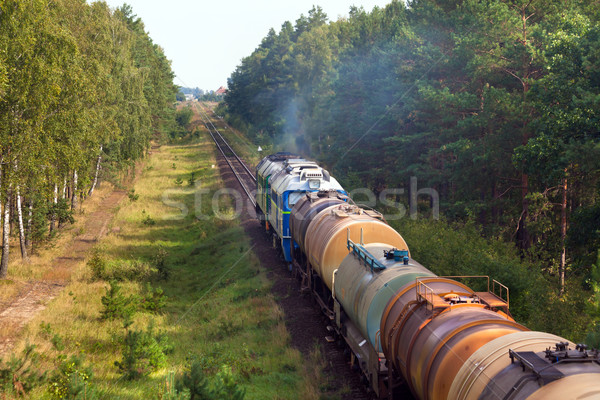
(494, 104)
(83, 90)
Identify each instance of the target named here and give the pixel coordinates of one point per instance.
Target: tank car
(404, 325)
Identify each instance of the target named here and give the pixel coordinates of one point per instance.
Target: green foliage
(132, 195)
(39, 222)
(226, 387)
(71, 380)
(153, 300)
(116, 305)
(192, 180)
(143, 351)
(178, 181)
(120, 270)
(194, 384)
(148, 220)
(184, 117)
(493, 106)
(63, 212)
(458, 249)
(160, 262)
(75, 78)
(97, 265)
(18, 376)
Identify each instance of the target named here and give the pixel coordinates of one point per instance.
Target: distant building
(189, 97)
(221, 91)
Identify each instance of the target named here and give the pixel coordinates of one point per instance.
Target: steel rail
(229, 147)
(206, 120)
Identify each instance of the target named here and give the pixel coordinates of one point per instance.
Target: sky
(206, 39)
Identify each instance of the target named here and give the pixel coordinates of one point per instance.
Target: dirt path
(35, 295)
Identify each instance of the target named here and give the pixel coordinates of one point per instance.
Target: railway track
(240, 170)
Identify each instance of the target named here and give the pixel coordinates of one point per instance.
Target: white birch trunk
(96, 175)
(5, 237)
(21, 228)
(74, 202)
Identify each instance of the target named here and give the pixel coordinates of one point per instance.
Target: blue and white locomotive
(282, 179)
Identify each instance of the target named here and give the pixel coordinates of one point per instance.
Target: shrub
(195, 383)
(116, 305)
(132, 195)
(160, 262)
(17, 377)
(226, 387)
(97, 265)
(143, 352)
(154, 300)
(71, 380)
(148, 220)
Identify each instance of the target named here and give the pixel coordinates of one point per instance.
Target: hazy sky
(206, 39)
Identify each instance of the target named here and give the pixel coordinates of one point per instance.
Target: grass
(220, 310)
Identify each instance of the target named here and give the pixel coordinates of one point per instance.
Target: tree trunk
(53, 216)
(74, 202)
(24, 255)
(563, 235)
(96, 175)
(5, 237)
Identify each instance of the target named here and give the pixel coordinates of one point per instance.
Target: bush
(116, 305)
(148, 221)
(195, 384)
(132, 195)
(226, 387)
(97, 265)
(143, 352)
(154, 300)
(17, 377)
(160, 262)
(71, 381)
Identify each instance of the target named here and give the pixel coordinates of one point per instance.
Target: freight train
(404, 325)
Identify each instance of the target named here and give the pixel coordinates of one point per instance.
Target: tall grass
(219, 310)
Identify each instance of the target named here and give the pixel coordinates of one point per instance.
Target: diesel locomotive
(404, 325)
